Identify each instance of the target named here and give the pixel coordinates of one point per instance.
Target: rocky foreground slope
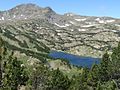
(31, 27)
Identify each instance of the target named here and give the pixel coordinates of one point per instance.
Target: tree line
(14, 74)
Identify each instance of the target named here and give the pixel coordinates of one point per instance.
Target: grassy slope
(28, 47)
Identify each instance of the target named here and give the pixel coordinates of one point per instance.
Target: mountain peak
(26, 11)
(48, 10)
(31, 9)
(29, 5)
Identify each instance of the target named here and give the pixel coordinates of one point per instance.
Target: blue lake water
(74, 59)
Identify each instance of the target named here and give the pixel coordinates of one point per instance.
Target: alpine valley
(29, 33)
(72, 33)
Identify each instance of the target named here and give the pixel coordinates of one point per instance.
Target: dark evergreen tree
(58, 81)
(2, 52)
(104, 70)
(79, 82)
(12, 71)
(110, 85)
(40, 77)
(14, 74)
(0, 71)
(93, 76)
(116, 59)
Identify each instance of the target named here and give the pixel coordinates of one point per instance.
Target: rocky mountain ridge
(80, 35)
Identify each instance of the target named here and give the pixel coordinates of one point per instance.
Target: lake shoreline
(75, 59)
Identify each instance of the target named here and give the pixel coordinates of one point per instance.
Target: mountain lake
(75, 59)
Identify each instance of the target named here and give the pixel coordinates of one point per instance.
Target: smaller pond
(74, 59)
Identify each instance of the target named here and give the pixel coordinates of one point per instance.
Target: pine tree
(110, 85)
(93, 76)
(12, 71)
(58, 81)
(0, 71)
(116, 59)
(40, 77)
(104, 70)
(79, 82)
(2, 52)
(14, 74)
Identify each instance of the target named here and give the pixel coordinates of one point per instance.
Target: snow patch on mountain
(66, 25)
(77, 19)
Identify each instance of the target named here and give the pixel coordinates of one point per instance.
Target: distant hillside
(34, 28)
